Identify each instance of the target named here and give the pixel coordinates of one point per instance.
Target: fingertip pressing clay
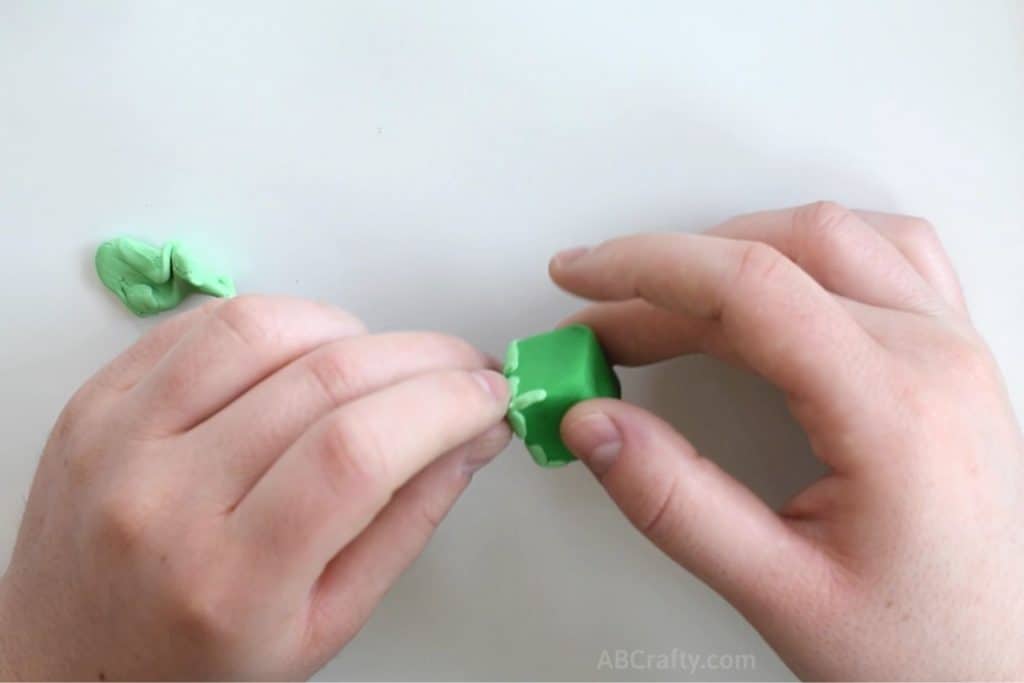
(548, 374)
(151, 279)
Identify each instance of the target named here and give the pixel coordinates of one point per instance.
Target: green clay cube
(548, 374)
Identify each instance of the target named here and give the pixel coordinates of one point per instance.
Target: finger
(242, 341)
(839, 250)
(693, 511)
(776, 318)
(332, 482)
(917, 240)
(127, 369)
(266, 420)
(359, 576)
(636, 332)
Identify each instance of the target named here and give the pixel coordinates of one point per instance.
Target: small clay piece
(151, 279)
(548, 374)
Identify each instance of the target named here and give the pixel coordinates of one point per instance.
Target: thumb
(692, 510)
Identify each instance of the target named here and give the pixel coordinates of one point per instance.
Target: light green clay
(519, 403)
(540, 457)
(518, 423)
(524, 401)
(151, 279)
(512, 359)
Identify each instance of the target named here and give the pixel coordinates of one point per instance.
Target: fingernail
(595, 440)
(485, 448)
(564, 258)
(493, 383)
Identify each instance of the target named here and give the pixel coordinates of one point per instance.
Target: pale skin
(231, 498)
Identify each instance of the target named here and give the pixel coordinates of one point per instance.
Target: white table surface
(417, 162)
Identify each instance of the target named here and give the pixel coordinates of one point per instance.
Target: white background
(417, 163)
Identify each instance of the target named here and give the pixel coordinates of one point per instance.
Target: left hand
(232, 496)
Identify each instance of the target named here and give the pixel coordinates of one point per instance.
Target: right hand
(907, 559)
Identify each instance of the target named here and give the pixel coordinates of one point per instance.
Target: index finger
(781, 323)
(331, 483)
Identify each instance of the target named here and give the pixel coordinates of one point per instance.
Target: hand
(232, 496)
(907, 559)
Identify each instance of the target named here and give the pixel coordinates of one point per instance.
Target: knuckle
(658, 519)
(430, 515)
(953, 362)
(969, 358)
(818, 228)
(352, 457)
(338, 373)
(758, 263)
(201, 608)
(121, 519)
(81, 466)
(674, 514)
(71, 416)
(246, 317)
(354, 324)
(209, 307)
(919, 233)
(822, 215)
(922, 227)
(198, 588)
(176, 387)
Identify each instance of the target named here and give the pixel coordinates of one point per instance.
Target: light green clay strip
(538, 453)
(521, 403)
(151, 279)
(518, 422)
(515, 418)
(517, 404)
(512, 358)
